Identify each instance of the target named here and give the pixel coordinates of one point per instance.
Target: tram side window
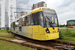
(31, 20)
(27, 20)
(20, 21)
(41, 21)
(35, 18)
(17, 23)
(23, 21)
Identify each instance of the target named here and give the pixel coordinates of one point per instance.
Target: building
(40, 4)
(71, 21)
(20, 14)
(7, 13)
(0, 14)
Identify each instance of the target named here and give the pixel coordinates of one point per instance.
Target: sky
(65, 8)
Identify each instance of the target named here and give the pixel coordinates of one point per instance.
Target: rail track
(45, 45)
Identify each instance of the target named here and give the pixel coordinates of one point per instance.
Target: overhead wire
(25, 3)
(20, 8)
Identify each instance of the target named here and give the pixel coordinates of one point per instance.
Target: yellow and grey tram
(40, 24)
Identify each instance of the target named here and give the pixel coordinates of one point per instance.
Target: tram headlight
(47, 30)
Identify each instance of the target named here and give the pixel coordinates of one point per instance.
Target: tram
(40, 24)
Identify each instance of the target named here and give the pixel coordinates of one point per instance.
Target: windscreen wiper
(48, 19)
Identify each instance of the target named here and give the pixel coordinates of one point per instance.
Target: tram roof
(38, 10)
(34, 11)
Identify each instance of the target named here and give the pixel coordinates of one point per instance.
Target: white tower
(7, 13)
(12, 9)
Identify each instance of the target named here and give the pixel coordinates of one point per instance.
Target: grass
(4, 45)
(68, 35)
(5, 33)
(7, 38)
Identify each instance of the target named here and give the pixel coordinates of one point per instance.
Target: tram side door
(20, 26)
(13, 26)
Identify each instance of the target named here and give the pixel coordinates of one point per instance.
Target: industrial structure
(7, 13)
(71, 22)
(40, 4)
